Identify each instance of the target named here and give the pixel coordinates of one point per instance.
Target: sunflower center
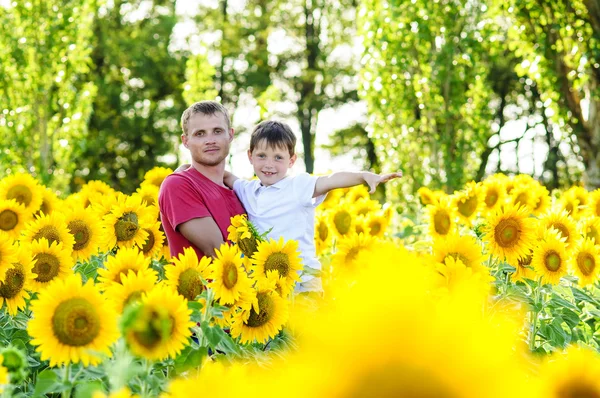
(441, 222)
(266, 307)
(21, 194)
(248, 246)
(123, 272)
(12, 361)
(189, 284)
(586, 263)
(81, 232)
(13, 283)
(598, 208)
(342, 221)
(458, 256)
(149, 242)
(45, 207)
(593, 234)
(375, 227)
(564, 231)
(279, 262)
(323, 231)
(49, 232)
(126, 227)
(468, 207)
(525, 262)
(156, 328)
(552, 261)
(507, 232)
(76, 322)
(8, 220)
(352, 253)
(230, 275)
(491, 198)
(149, 200)
(46, 267)
(577, 390)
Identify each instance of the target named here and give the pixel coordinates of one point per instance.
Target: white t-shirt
(289, 208)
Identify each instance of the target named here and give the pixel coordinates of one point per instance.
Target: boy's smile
(270, 163)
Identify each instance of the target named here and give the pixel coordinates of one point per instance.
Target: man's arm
(229, 179)
(345, 179)
(203, 233)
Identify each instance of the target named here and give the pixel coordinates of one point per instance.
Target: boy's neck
(213, 173)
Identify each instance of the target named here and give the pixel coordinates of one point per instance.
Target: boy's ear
(293, 160)
(250, 156)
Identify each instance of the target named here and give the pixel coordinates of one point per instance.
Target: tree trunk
(592, 163)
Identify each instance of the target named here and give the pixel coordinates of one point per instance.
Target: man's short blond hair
(206, 108)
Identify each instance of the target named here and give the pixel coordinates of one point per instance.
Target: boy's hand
(182, 167)
(373, 180)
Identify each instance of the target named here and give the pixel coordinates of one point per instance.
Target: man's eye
(218, 131)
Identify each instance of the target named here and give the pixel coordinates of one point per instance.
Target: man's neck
(213, 173)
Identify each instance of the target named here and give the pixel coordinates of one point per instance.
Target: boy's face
(270, 163)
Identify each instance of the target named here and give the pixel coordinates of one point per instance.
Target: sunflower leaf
(47, 381)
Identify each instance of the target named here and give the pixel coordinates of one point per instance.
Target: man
(195, 205)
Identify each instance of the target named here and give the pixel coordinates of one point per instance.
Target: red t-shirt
(189, 194)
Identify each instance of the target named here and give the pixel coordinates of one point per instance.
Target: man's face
(208, 138)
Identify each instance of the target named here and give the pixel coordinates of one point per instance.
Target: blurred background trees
(446, 91)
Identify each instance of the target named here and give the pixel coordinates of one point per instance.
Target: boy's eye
(278, 157)
(261, 156)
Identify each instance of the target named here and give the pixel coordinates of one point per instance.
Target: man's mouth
(211, 150)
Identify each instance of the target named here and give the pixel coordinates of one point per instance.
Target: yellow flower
(523, 269)
(468, 203)
(341, 220)
(550, 257)
(457, 276)
(559, 220)
(494, 193)
(186, 273)
(265, 319)
(524, 196)
(585, 261)
(574, 372)
(441, 218)
(360, 226)
(365, 206)
(594, 203)
(117, 266)
(590, 228)
(86, 232)
(509, 233)
(343, 262)
(541, 200)
(93, 192)
(4, 376)
(156, 176)
(427, 196)
(464, 248)
(103, 207)
(50, 202)
(322, 234)
(19, 278)
(8, 255)
(133, 285)
(377, 224)
(161, 326)
(125, 224)
(13, 218)
(51, 262)
(24, 189)
(148, 193)
(72, 323)
(155, 241)
(356, 193)
(229, 279)
(282, 257)
(122, 393)
(52, 227)
(241, 234)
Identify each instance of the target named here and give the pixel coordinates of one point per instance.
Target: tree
(46, 97)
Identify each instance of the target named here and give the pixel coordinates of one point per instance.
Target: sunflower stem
(535, 314)
(67, 393)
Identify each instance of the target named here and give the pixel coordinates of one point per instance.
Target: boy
(287, 203)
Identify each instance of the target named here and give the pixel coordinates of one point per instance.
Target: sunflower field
(489, 292)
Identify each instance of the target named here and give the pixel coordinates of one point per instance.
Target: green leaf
(571, 318)
(47, 381)
(580, 295)
(214, 335)
(557, 302)
(87, 389)
(190, 358)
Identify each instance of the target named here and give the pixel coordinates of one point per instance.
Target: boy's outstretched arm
(345, 179)
(229, 179)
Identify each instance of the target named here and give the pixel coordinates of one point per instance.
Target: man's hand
(183, 167)
(373, 179)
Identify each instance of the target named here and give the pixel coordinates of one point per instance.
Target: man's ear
(184, 139)
(231, 133)
(293, 160)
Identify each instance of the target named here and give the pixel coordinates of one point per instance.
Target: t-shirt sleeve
(304, 187)
(179, 202)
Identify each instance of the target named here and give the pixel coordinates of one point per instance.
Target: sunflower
(356, 193)
(377, 224)
(550, 257)
(93, 192)
(8, 255)
(13, 218)
(541, 200)
(468, 202)
(72, 323)
(590, 228)
(494, 193)
(160, 326)
(347, 249)
(53, 227)
(585, 261)
(156, 176)
(360, 226)
(229, 279)
(148, 193)
(570, 201)
(341, 220)
(322, 234)
(125, 223)
(365, 206)
(523, 269)
(24, 189)
(559, 220)
(456, 276)
(154, 243)
(282, 257)
(242, 233)
(51, 262)
(265, 319)
(86, 232)
(509, 233)
(441, 218)
(426, 196)
(19, 278)
(103, 207)
(464, 248)
(4, 377)
(523, 196)
(132, 287)
(50, 202)
(574, 372)
(186, 273)
(594, 203)
(117, 266)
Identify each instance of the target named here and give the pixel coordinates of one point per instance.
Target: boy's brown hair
(206, 108)
(276, 134)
